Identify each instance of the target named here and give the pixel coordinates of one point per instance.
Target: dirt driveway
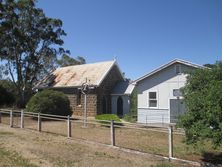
(47, 150)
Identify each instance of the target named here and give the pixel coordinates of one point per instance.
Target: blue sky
(142, 34)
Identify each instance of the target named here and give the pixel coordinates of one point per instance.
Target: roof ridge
(163, 66)
(87, 64)
(73, 76)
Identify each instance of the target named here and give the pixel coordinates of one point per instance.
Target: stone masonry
(95, 98)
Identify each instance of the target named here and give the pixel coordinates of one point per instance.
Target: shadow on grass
(212, 158)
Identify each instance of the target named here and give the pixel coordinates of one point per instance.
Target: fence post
(39, 123)
(22, 119)
(170, 128)
(112, 130)
(11, 119)
(68, 127)
(162, 119)
(0, 117)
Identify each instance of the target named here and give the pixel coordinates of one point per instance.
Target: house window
(177, 92)
(79, 97)
(152, 99)
(178, 69)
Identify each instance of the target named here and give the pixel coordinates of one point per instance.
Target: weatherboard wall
(163, 83)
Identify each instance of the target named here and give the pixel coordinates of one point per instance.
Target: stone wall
(106, 88)
(79, 109)
(95, 97)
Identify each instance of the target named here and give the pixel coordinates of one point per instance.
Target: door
(177, 108)
(120, 106)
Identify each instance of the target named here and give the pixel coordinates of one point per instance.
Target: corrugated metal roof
(75, 76)
(123, 88)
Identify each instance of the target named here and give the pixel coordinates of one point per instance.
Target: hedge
(108, 117)
(50, 102)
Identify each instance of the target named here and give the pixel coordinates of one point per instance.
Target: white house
(159, 96)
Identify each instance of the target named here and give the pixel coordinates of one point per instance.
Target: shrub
(133, 103)
(50, 102)
(108, 117)
(6, 97)
(13, 94)
(132, 115)
(130, 118)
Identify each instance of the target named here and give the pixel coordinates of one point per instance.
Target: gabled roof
(75, 76)
(167, 65)
(123, 88)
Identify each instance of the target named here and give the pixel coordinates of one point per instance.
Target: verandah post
(112, 132)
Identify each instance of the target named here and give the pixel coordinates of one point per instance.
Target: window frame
(152, 99)
(177, 93)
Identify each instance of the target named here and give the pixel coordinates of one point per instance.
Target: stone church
(107, 90)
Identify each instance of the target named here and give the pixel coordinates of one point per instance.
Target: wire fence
(157, 118)
(161, 140)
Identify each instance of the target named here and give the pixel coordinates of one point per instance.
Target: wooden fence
(169, 130)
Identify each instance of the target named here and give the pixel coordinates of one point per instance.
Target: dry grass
(141, 140)
(9, 158)
(47, 150)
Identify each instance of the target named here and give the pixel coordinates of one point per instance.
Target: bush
(132, 115)
(108, 117)
(13, 94)
(130, 118)
(50, 102)
(203, 98)
(6, 97)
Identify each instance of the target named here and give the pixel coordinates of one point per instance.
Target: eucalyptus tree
(29, 43)
(66, 60)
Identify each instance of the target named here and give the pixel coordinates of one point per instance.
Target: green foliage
(133, 103)
(132, 115)
(130, 118)
(6, 97)
(108, 117)
(7, 84)
(50, 102)
(203, 98)
(30, 43)
(11, 89)
(68, 61)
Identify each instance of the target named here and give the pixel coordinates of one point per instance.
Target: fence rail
(68, 125)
